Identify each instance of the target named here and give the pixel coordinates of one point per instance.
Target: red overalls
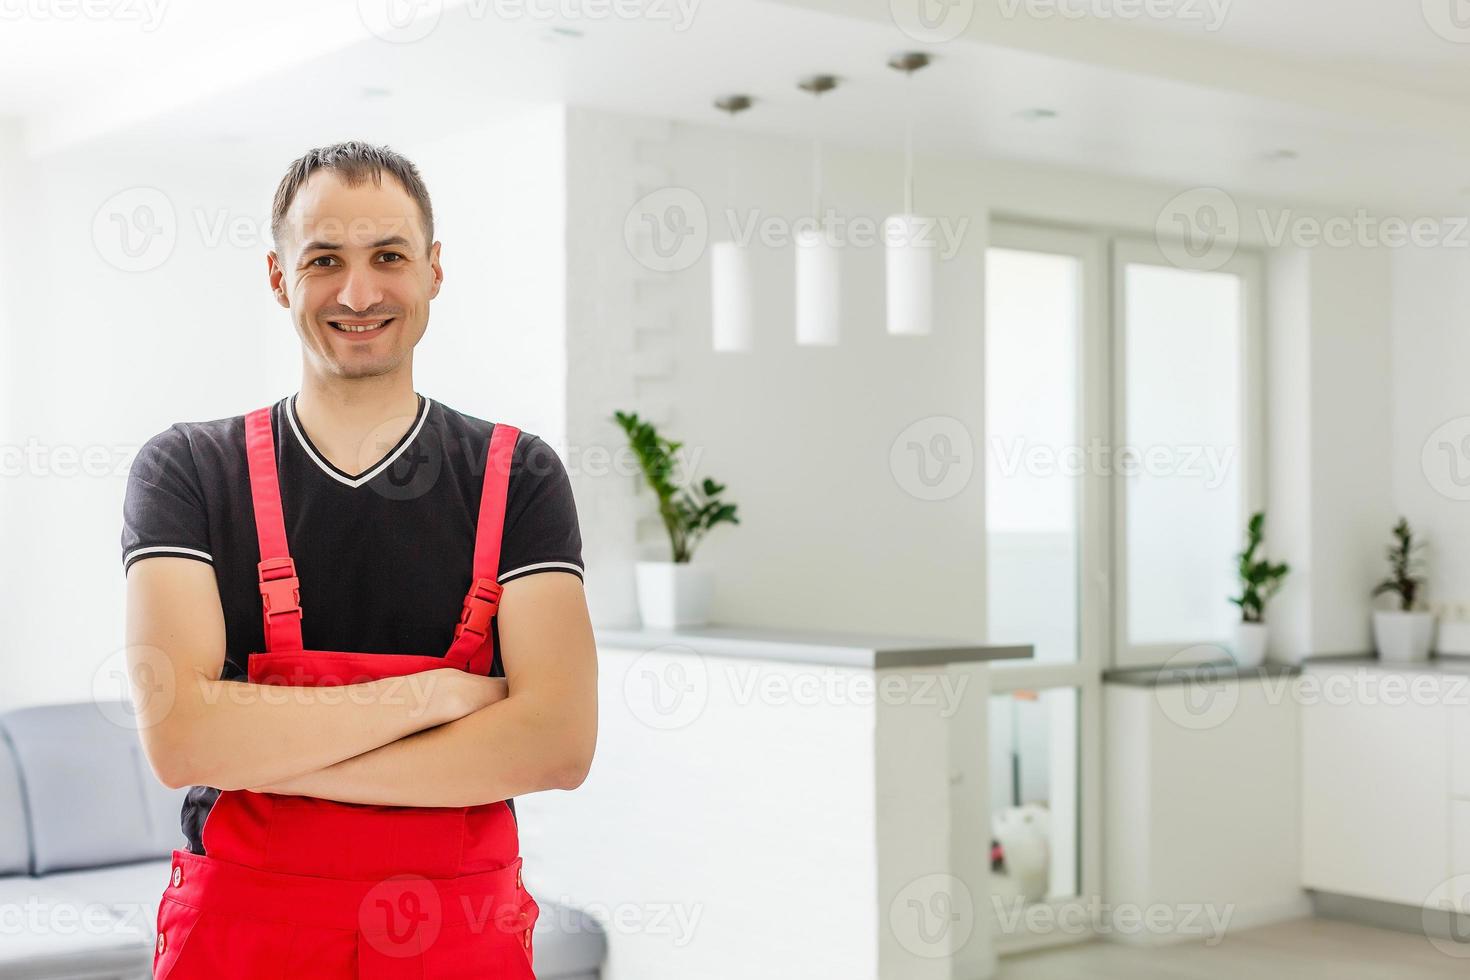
(294, 886)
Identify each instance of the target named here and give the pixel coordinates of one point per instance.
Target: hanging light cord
(908, 146)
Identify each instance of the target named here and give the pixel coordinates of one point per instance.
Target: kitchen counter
(837, 649)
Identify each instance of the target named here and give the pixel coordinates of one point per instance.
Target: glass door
(1046, 518)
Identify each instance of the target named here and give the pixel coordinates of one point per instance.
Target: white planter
(673, 594)
(1403, 637)
(1249, 647)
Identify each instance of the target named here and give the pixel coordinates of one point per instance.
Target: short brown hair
(356, 162)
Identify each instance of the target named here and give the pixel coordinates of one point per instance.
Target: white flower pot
(1403, 637)
(673, 594)
(1249, 647)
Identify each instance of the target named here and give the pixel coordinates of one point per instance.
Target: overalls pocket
(174, 926)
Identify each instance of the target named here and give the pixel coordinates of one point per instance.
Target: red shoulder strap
(471, 648)
(280, 589)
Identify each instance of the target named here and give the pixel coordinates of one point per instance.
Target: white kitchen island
(772, 803)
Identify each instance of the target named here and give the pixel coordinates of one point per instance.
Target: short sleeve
(163, 509)
(541, 529)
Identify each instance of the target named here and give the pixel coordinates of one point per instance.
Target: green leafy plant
(1259, 579)
(1404, 559)
(689, 509)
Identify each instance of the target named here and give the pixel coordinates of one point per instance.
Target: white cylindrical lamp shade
(731, 296)
(909, 258)
(818, 288)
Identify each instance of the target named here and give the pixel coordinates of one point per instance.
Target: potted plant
(674, 593)
(1259, 580)
(1403, 634)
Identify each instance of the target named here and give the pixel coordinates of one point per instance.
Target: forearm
(233, 735)
(508, 749)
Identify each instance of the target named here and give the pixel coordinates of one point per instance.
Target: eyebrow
(334, 247)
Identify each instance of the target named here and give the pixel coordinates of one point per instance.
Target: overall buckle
(480, 605)
(280, 589)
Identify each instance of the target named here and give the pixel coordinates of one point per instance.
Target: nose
(360, 290)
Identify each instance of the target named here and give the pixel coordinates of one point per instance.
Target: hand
(461, 693)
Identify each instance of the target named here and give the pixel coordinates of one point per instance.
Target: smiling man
(357, 626)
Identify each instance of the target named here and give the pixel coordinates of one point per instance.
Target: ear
(437, 270)
(277, 278)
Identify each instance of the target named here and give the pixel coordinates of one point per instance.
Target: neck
(354, 422)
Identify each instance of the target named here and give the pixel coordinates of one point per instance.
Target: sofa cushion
(568, 943)
(91, 797)
(53, 932)
(15, 831)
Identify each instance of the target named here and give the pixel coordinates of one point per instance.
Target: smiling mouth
(359, 326)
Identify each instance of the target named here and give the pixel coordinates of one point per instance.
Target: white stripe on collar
(365, 477)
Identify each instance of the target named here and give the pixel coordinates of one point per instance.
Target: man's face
(354, 269)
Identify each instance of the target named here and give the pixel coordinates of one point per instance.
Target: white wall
(100, 359)
(1430, 379)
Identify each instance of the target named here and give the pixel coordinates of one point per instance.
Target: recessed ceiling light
(566, 31)
(374, 92)
(1036, 114)
(1279, 156)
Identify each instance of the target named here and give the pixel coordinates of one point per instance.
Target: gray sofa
(85, 836)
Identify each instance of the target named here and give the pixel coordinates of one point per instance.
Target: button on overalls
(294, 886)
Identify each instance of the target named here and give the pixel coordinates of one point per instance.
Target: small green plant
(1259, 579)
(689, 510)
(1404, 559)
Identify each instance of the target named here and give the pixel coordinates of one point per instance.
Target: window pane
(1032, 312)
(1182, 435)
(1033, 797)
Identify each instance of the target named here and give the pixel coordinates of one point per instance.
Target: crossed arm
(440, 738)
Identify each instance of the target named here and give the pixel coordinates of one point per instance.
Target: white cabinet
(1376, 800)
(1460, 837)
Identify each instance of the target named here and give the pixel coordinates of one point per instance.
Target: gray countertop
(839, 649)
(1227, 670)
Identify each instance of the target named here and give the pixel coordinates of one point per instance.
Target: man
(357, 629)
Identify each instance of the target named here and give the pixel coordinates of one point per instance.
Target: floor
(1306, 949)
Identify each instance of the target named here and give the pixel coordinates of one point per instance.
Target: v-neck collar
(348, 479)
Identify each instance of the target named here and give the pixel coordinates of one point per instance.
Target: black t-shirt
(384, 556)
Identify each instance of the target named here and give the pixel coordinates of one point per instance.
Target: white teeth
(348, 328)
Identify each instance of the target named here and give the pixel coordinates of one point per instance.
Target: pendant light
(818, 258)
(732, 319)
(909, 244)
